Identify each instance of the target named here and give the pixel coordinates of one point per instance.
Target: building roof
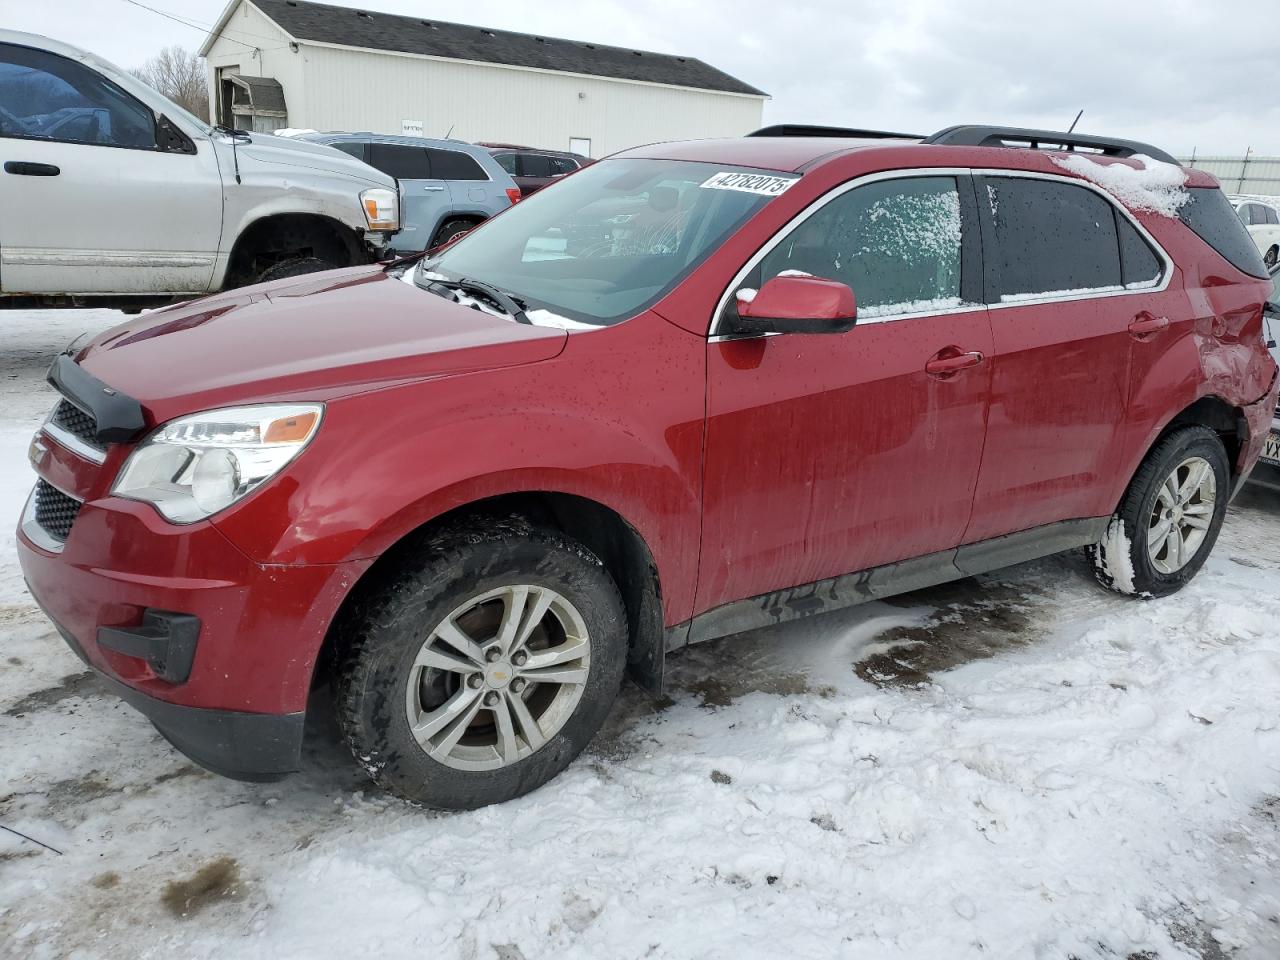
(349, 27)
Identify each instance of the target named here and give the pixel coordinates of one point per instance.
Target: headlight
(192, 467)
(381, 209)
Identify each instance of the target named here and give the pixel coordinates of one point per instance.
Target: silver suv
(446, 186)
(113, 195)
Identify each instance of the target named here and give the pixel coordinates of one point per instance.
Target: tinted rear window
(1208, 212)
(535, 165)
(1051, 238)
(453, 165)
(403, 163)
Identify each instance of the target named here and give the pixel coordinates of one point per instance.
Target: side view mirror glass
(799, 303)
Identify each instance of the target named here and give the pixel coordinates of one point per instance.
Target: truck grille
(67, 416)
(55, 511)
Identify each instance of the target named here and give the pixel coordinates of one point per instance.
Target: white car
(112, 195)
(1261, 215)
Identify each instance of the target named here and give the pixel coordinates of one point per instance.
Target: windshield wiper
(511, 306)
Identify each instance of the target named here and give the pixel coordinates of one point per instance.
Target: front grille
(76, 422)
(55, 511)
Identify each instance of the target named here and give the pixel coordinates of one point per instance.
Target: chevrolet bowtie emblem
(36, 452)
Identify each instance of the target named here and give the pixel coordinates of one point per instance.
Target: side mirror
(169, 139)
(798, 303)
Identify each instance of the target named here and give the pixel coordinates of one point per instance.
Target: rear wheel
(1273, 255)
(450, 230)
(1170, 517)
(483, 669)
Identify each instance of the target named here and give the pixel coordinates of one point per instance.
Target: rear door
(471, 190)
(1070, 317)
(833, 453)
(535, 172)
(88, 201)
(424, 198)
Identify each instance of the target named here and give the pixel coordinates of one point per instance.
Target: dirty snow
(1153, 185)
(1017, 766)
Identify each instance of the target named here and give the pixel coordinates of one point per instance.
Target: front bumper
(258, 747)
(237, 706)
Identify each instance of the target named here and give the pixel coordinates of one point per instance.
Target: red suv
(695, 389)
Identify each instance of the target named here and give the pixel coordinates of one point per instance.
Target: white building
(278, 63)
(1249, 174)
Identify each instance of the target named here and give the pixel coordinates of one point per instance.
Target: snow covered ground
(1019, 766)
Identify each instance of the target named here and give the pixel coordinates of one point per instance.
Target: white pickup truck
(112, 195)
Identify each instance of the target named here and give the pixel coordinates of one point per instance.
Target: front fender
(617, 418)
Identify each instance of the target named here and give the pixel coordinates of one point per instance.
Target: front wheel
(484, 668)
(293, 267)
(1273, 255)
(1170, 517)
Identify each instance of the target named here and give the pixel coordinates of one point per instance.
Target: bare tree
(179, 74)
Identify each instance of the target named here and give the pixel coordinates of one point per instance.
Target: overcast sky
(1183, 74)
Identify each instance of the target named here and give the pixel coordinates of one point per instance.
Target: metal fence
(1248, 174)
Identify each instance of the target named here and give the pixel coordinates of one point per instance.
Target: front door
(833, 453)
(89, 203)
(1067, 315)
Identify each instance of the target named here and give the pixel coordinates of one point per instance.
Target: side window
(1273, 218)
(507, 161)
(896, 243)
(562, 165)
(1139, 264)
(399, 161)
(1242, 212)
(535, 165)
(47, 97)
(1050, 238)
(352, 147)
(455, 165)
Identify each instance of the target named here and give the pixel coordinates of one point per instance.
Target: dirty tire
(1273, 255)
(293, 267)
(384, 632)
(451, 230)
(1122, 561)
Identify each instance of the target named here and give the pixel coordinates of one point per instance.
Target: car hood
(288, 151)
(316, 337)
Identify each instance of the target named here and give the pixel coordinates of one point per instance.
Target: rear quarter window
(1208, 214)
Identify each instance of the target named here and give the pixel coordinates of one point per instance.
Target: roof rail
(811, 130)
(972, 135)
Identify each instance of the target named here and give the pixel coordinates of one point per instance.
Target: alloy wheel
(498, 677)
(1182, 515)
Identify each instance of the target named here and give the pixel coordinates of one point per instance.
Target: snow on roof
(1152, 185)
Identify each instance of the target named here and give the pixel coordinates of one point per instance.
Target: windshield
(609, 240)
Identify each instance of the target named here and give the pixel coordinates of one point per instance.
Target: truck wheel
(483, 667)
(293, 267)
(1169, 518)
(450, 230)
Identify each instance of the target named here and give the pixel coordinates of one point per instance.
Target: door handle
(951, 360)
(1146, 325)
(23, 168)
(433, 188)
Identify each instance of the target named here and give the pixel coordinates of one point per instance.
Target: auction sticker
(763, 184)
